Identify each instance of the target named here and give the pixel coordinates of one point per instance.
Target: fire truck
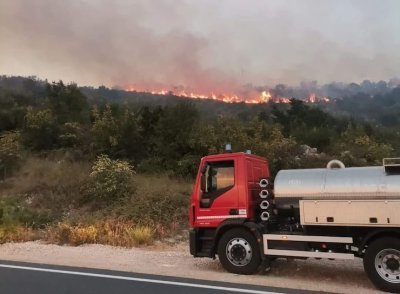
(240, 215)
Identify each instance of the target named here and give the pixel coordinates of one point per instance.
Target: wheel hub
(392, 264)
(387, 264)
(239, 252)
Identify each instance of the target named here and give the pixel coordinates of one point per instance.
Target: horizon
(166, 45)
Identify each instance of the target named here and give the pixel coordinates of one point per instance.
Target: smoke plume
(204, 46)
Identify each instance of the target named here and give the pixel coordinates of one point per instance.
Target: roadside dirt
(320, 275)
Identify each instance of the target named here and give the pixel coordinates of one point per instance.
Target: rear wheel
(239, 252)
(382, 263)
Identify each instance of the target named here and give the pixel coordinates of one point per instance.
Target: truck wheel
(382, 264)
(239, 252)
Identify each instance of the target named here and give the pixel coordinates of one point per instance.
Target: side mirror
(204, 177)
(203, 184)
(204, 168)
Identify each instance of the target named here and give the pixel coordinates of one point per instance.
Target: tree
(131, 144)
(268, 141)
(357, 148)
(67, 103)
(111, 179)
(11, 151)
(105, 131)
(40, 131)
(173, 131)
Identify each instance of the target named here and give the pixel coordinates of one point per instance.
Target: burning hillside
(264, 96)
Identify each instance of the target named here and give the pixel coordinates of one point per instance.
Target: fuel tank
(373, 182)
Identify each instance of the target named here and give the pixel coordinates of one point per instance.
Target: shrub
(111, 179)
(142, 235)
(111, 232)
(160, 202)
(15, 213)
(64, 233)
(115, 232)
(187, 166)
(61, 234)
(11, 152)
(16, 234)
(83, 235)
(54, 185)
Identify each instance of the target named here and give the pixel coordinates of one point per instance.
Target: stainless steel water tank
(341, 183)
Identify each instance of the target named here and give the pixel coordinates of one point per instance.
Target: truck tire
(382, 263)
(239, 252)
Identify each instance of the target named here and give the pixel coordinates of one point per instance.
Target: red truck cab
(229, 181)
(226, 191)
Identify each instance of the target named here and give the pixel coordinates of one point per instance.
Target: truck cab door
(217, 194)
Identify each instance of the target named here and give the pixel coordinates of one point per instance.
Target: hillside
(85, 165)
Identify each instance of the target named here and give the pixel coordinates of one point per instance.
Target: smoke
(206, 46)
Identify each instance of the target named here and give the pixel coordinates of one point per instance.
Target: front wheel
(382, 263)
(239, 252)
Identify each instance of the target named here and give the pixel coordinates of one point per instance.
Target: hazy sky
(202, 44)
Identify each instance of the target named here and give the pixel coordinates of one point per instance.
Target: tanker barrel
(336, 182)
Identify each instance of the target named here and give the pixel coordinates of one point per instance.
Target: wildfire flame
(313, 99)
(264, 97)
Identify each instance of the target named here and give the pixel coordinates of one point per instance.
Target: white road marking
(76, 273)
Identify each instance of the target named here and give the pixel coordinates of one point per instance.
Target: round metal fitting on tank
(264, 204)
(264, 216)
(264, 194)
(331, 164)
(263, 183)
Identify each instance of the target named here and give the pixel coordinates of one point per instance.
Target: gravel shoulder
(320, 275)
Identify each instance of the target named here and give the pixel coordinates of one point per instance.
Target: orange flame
(313, 99)
(264, 97)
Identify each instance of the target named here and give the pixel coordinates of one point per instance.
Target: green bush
(15, 213)
(11, 152)
(158, 200)
(51, 184)
(111, 179)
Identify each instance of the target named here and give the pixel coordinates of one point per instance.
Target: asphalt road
(16, 277)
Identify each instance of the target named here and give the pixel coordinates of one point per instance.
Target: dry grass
(64, 233)
(116, 233)
(49, 195)
(17, 234)
(142, 235)
(46, 183)
(159, 201)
